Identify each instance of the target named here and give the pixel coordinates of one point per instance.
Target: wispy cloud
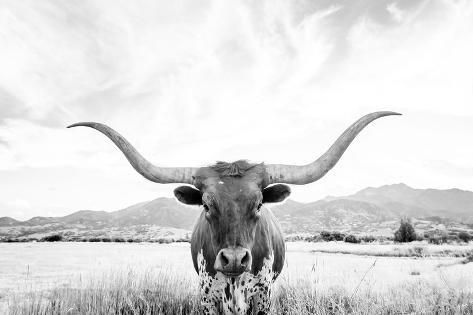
(192, 82)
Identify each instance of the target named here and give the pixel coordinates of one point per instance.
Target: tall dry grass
(167, 292)
(414, 298)
(164, 292)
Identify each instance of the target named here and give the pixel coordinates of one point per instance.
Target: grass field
(159, 279)
(413, 249)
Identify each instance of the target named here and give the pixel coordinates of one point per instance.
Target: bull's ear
(276, 193)
(188, 195)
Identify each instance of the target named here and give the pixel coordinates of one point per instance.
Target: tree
(52, 238)
(405, 233)
(350, 238)
(464, 236)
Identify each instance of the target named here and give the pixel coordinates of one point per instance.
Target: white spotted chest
(244, 294)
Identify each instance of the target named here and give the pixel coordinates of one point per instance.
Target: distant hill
(156, 219)
(161, 211)
(371, 210)
(454, 204)
(337, 214)
(7, 221)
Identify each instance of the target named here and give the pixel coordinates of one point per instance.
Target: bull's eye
(258, 208)
(206, 208)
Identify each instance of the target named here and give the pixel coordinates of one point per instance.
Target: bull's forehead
(236, 192)
(236, 189)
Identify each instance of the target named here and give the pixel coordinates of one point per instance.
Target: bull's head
(232, 194)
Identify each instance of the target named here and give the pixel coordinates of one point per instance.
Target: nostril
(224, 260)
(245, 259)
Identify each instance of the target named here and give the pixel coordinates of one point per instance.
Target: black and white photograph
(236, 157)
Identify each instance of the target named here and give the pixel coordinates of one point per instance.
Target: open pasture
(145, 278)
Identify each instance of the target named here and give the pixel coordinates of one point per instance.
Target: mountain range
(372, 210)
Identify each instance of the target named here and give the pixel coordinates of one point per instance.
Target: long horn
(305, 174)
(162, 175)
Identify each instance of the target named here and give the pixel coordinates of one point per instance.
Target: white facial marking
(221, 294)
(221, 183)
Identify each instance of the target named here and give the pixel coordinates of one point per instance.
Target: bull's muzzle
(232, 262)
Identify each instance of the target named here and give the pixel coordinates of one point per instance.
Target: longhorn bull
(237, 245)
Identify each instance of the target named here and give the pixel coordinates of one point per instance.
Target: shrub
(164, 241)
(350, 238)
(453, 239)
(368, 239)
(294, 238)
(337, 236)
(436, 237)
(52, 238)
(332, 236)
(106, 239)
(405, 233)
(118, 240)
(435, 240)
(419, 251)
(313, 238)
(326, 236)
(464, 236)
(183, 240)
(95, 239)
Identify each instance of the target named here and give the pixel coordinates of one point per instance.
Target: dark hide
(268, 238)
(232, 216)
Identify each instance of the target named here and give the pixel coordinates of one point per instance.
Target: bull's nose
(233, 262)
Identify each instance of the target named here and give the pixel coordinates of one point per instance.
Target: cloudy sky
(192, 82)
